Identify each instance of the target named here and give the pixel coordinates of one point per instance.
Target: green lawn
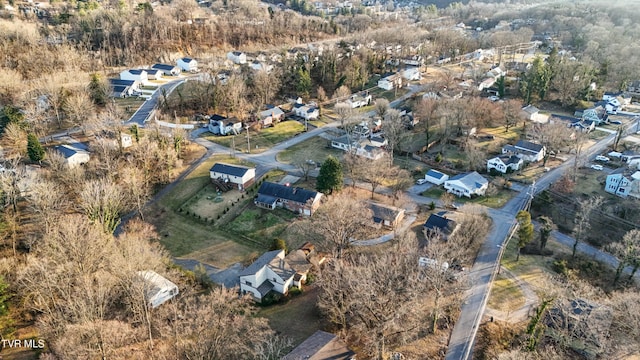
(506, 295)
(318, 147)
(195, 181)
(260, 140)
(322, 121)
(493, 201)
(260, 224)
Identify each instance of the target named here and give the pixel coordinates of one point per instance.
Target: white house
(370, 152)
(486, 83)
(270, 272)
(157, 289)
(623, 183)
(359, 100)
(270, 116)
(242, 176)
(72, 155)
(390, 82)
(436, 177)
(154, 74)
(532, 113)
(135, 75)
(123, 88)
(237, 57)
(525, 150)
(503, 163)
(344, 142)
(412, 74)
(467, 184)
(187, 64)
(495, 73)
(167, 70)
(307, 112)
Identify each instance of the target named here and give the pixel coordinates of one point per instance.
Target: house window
(248, 283)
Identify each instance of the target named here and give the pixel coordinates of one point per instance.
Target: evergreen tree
(97, 90)
(525, 230)
(34, 148)
(303, 85)
(546, 226)
(330, 176)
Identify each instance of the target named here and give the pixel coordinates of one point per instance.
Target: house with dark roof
(123, 88)
(321, 346)
(241, 176)
(135, 74)
(439, 224)
(385, 215)
(344, 142)
(526, 150)
(154, 74)
(73, 156)
(270, 272)
(436, 177)
(467, 184)
(306, 111)
(302, 201)
(187, 64)
(167, 70)
(504, 163)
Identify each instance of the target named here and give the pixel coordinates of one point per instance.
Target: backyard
(260, 140)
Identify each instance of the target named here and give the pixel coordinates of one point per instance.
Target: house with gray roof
(271, 116)
(302, 201)
(436, 177)
(468, 184)
(241, 176)
(269, 273)
(440, 224)
(321, 346)
(526, 150)
(385, 215)
(73, 156)
(504, 163)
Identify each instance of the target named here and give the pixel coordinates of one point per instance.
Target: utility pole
(531, 193)
(248, 143)
(233, 146)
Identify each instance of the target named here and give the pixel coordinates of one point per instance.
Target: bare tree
(376, 174)
(103, 200)
(583, 220)
(382, 106)
(427, 111)
(14, 141)
(628, 253)
(345, 113)
(79, 109)
(355, 167)
(395, 132)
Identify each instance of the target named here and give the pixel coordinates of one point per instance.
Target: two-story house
(623, 183)
(241, 176)
(504, 163)
(270, 272)
(526, 150)
(467, 185)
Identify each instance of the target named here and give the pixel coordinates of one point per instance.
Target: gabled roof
(233, 170)
(237, 53)
(275, 111)
(68, 151)
(507, 160)
(435, 174)
(136, 71)
(530, 109)
(344, 139)
(152, 71)
(384, 212)
(186, 60)
(295, 194)
(119, 89)
(164, 67)
(261, 262)
(471, 180)
(120, 82)
(528, 145)
(439, 222)
(321, 346)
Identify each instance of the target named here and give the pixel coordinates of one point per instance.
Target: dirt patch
(209, 203)
(505, 295)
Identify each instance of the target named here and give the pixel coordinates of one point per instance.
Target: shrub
(311, 278)
(295, 291)
(438, 158)
(561, 267)
(432, 205)
(271, 298)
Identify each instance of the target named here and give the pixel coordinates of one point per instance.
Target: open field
(506, 295)
(261, 140)
(318, 148)
(298, 318)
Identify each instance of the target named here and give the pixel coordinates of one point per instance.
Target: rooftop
(233, 170)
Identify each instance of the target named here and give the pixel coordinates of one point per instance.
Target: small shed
(157, 289)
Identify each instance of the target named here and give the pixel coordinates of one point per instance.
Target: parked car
(602, 158)
(494, 98)
(615, 122)
(421, 181)
(597, 167)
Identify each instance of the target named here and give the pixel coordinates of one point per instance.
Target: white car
(602, 158)
(421, 181)
(597, 167)
(494, 98)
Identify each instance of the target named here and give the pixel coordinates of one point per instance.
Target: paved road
(144, 112)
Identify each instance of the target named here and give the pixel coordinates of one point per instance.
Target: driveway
(229, 277)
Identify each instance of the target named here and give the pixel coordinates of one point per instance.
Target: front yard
(317, 147)
(497, 200)
(259, 140)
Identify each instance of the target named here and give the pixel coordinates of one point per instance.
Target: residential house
(344, 142)
(271, 116)
(412, 74)
(504, 163)
(415, 60)
(73, 156)
(468, 184)
(623, 183)
(270, 272)
(370, 152)
(390, 81)
(302, 201)
(526, 150)
(532, 113)
(132, 86)
(361, 130)
(221, 125)
(436, 177)
(385, 215)
(237, 57)
(595, 114)
(135, 75)
(486, 83)
(495, 73)
(187, 64)
(307, 112)
(359, 100)
(154, 74)
(120, 91)
(261, 66)
(241, 176)
(321, 346)
(167, 70)
(440, 224)
(634, 87)
(157, 289)
(583, 125)
(302, 261)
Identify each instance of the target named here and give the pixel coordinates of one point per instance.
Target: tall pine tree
(34, 148)
(330, 177)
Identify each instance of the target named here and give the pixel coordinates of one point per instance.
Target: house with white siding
(187, 64)
(269, 273)
(504, 163)
(467, 185)
(525, 150)
(241, 176)
(139, 75)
